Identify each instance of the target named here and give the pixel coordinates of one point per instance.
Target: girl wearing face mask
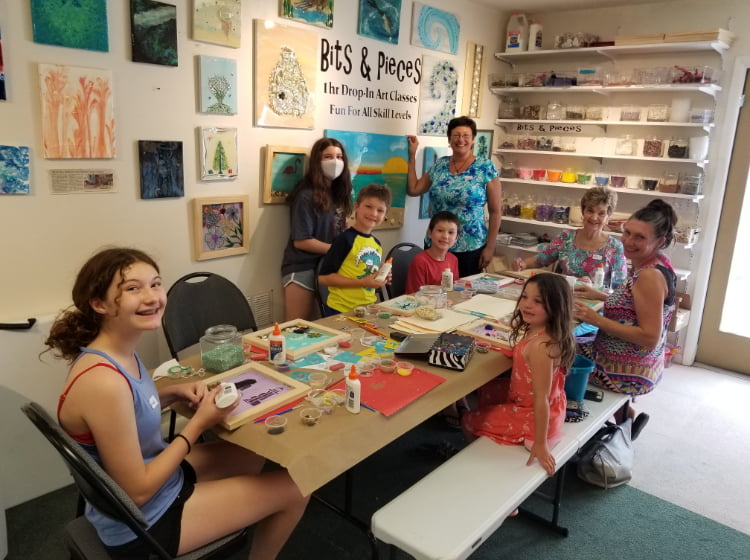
(319, 207)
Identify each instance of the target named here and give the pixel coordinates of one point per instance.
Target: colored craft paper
(390, 392)
(487, 306)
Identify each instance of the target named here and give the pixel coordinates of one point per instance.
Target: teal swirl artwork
(379, 19)
(14, 169)
(437, 96)
(434, 29)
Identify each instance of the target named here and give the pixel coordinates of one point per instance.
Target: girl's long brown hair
(557, 300)
(339, 194)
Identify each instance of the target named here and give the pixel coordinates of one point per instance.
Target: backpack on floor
(607, 459)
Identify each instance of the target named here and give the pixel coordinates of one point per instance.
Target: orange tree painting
(77, 112)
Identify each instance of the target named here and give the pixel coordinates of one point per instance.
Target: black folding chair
(402, 255)
(104, 494)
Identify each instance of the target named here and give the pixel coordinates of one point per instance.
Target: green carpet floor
(622, 523)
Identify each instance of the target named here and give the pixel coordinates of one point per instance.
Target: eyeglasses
(461, 136)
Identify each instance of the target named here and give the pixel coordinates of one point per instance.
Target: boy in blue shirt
(351, 264)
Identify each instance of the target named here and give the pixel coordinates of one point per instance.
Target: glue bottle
(384, 270)
(353, 391)
(535, 36)
(276, 345)
(599, 277)
(446, 279)
(517, 37)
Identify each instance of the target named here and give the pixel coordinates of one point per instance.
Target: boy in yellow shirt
(351, 264)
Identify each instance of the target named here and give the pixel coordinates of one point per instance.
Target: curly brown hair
(557, 300)
(79, 324)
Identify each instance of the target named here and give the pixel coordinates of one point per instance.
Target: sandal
(638, 424)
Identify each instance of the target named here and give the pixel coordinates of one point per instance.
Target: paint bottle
(446, 279)
(384, 270)
(517, 37)
(276, 345)
(353, 391)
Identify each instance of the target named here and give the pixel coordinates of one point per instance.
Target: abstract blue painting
(161, 169)
(431, 155)
(434, 29)
(79, 25)
(437, 96)
(314, 12)
(14, 170)
(380, 19)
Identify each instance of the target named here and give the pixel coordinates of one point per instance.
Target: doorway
(724, 339)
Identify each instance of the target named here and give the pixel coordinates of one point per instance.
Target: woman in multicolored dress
(579, 252)
(629, 348)
(463, 184)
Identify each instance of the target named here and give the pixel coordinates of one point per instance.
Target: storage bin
(578, 378)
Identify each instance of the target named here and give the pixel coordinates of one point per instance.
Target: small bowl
(338, 396)
(275, 424)
(404, 368)
(554, 175)
(601, 180)
(468, 293)
(373, 309)
(310, 416)
(321, 398)
(370, 339)
(360, 312)
(317, 380)
(388, 365)
(366, 368)
(331, 350)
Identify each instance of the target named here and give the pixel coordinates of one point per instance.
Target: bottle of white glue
(353, 391)
(384, 270)
(276, 345)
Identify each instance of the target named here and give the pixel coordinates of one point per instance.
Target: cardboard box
(681, 315)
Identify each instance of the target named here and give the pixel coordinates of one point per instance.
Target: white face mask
(332, 168)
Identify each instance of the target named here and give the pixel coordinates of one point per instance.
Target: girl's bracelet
(187, 442)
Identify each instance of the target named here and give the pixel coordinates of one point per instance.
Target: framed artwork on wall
(77, 25)
(153, 30)
(2, 70)
(14, 169)
(380, 20)
(161, 169)
(283, 170)
(218, 85)
(220, 226)
(218, 153)
(434, 29)
(431, 155)
(78, 119)
(437, 96)
(314, 12)
(483, 143)
(378, 158)
(220, 25)
(286, 70)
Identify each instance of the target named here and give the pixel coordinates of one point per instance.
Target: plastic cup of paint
(357, 334)
(387, 365)
(310, 416)
(275, 424)
(320, 398)
(404, 368)
(317, 380)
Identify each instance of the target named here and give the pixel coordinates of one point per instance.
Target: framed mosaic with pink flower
(220, 226)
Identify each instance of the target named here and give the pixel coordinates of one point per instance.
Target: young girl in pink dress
(529, 408)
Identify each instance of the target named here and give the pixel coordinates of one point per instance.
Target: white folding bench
(455, 508)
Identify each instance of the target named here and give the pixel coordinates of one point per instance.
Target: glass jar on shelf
(575, 112)
(508, 170)
(508, 142)
(657, 113)
(668, 183)
(545, 144)
(561, 212)
(567, 144)
(625, 145)
(533, 112)
(527, 142)
(544, 211)
(678, 148)
(653, 146)
(555, 111)
(568, 175)
(691, 183)
(594, 112)
(528, 208)
(630, 113)
(509, 107)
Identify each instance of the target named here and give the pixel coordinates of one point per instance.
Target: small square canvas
(314, 12)
(78, 25)
(218, 85)
(153, 30)
(218, 24)
(431, 155)
(380, 20)
(434, 29)
(14, 170)
(161, 169)
(483, 143)
(219, 153)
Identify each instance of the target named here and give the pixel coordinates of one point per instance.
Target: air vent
(262, 306)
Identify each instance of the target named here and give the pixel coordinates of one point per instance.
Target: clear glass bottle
(221, 348)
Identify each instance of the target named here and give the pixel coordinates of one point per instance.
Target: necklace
(464, 165)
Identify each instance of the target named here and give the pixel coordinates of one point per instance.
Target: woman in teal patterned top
(579, 252)
(463, 184)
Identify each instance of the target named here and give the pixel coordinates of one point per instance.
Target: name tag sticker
(153, 401)
(597, 257)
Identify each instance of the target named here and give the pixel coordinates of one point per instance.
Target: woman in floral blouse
(463, 184)
(579, 252)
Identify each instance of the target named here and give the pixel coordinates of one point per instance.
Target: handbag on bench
(607, 459)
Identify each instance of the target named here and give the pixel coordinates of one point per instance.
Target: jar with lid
(555, 111)
(508, 142)
(678, 148)
(594, 112)
(509, 107)
(545, 144)
(568, 175)
(514, 206)
(653, 146)
(575, 112)
(625, 145)
(221, 348)
(528, 208)
(657, 113)
(668, 183)
(567, 144)
(527, 142)
(433, 296)
(691, 183)
(630, 113)
(532, 112)
(561, 212)
(508, 170)
(544, 211)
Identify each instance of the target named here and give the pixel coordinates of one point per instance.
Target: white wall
(45, 237)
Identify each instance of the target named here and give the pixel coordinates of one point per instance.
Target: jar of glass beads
(221, 348)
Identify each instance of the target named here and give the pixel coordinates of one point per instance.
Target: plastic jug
(517, 36)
